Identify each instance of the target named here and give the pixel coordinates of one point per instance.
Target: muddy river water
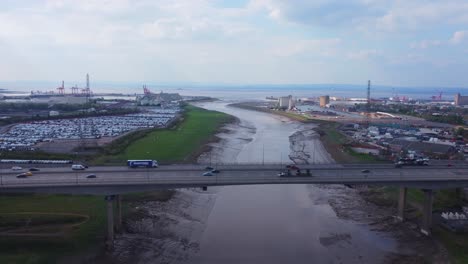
(257, 224)
(274, 223)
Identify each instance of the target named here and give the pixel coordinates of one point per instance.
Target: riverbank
(332, 139)
(377, 206)
(445, 243)
(181, 143)
(57, 242)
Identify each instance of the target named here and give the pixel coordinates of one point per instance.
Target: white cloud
(424, 44)
(459, 36)
(314, 47)
(363, 54)
(367, 15)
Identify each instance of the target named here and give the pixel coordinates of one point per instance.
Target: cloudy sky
(392, 42)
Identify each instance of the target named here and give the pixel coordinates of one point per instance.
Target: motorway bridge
(111, 181)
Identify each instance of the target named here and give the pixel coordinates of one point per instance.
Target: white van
(78, 167)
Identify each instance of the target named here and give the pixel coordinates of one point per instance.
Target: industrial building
(157, 99)
(324, 100)
(461, 100)
(286, 102)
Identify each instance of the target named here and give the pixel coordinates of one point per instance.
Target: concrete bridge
(113, 181)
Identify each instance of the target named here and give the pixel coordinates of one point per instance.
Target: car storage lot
(25, 136)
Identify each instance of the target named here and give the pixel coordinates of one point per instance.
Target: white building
(286, 102)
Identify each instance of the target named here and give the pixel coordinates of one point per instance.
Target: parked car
(208, 173)
(209, 168)
(34, 169)
(215, 171)
(282, 174)
(365, 171)
(16, 168)
(91, 176)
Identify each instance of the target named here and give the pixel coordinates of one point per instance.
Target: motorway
(119, 179)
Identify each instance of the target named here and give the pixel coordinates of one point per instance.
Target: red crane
(146, 91)
(61, 89)
(437, 97)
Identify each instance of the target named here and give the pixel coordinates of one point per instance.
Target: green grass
(456, 244)
(292, 115)
(18, 220)
(48, 250)
(177, 144)
(174, 145)
(362, 157)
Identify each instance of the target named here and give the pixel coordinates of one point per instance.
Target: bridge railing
(338, 177)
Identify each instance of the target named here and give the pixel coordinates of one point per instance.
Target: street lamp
(263, 155)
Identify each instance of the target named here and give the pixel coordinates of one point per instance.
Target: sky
(392, 42)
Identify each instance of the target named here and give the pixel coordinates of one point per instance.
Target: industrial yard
(26, 136)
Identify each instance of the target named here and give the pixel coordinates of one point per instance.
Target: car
(208, 173)
(34, 169)
(91, 176)
(365, 171)
(215, 171)
(449, 165)
(16, 168)
(24, 174)
(78, 167)
(282, 174)
(209, 168)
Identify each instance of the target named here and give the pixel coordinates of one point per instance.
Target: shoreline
(331, 138)
(373, 209)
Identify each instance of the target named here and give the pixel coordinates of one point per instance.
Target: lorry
(412, 162)
(142, 163)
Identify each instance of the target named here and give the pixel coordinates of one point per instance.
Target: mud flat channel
(267, 223)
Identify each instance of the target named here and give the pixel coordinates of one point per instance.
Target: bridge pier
(118, 220)
(110, 221)
(402, 204)
(427, 212)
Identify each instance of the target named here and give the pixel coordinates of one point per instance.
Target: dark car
(365, 171)
(22, 175)
(209, 168)
(34, 169)
(215, 171)
(91, 176)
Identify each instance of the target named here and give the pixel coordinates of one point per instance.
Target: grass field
(46, 250)
(174, 145)
(177, 144)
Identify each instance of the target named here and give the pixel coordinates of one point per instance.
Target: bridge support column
(110, 221)
(402, 204)
(118, 220)
(427, 212)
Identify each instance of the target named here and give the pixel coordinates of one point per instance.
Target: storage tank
(324, 100)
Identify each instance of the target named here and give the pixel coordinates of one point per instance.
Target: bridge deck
(114, 180)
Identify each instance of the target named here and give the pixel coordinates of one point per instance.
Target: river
(280, 223)
(258, 224)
